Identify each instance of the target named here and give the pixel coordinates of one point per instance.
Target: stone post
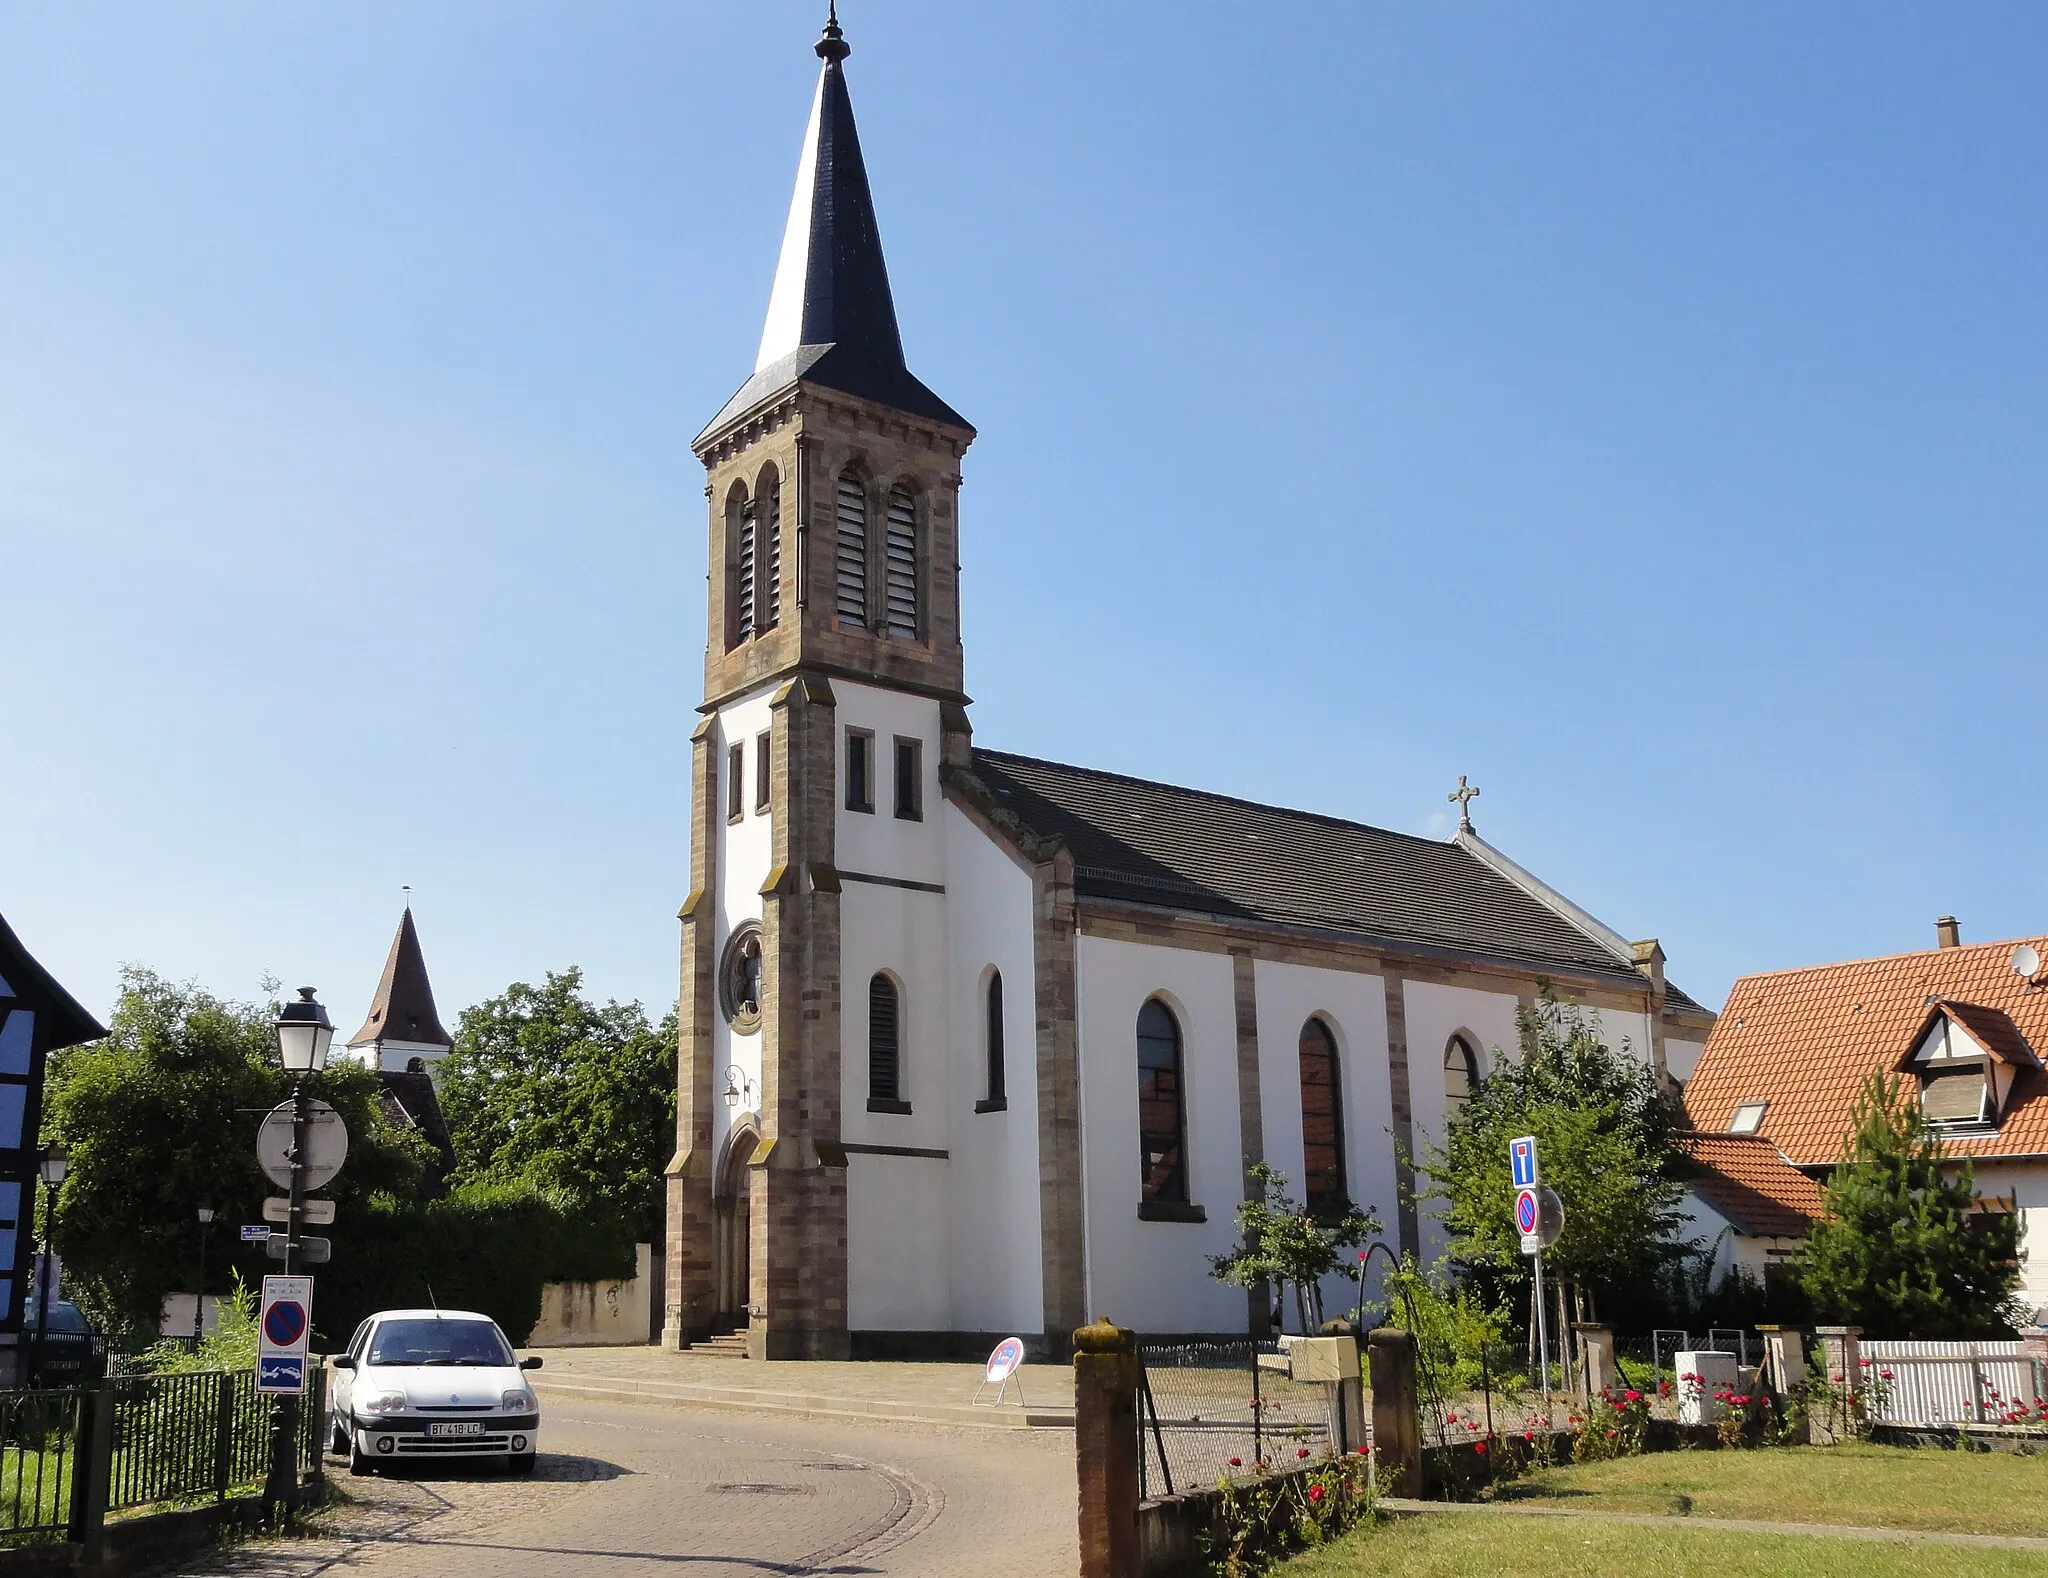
(2033, 1364)
(1396, 1413)
(1841, 1365)
(1596, 1357)
(1106, 1448)
(1784, 1358)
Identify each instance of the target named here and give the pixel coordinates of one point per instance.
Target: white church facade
(975, 1044)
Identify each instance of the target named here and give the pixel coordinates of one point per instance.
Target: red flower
(1472, 1424)
(1633, 1396)
(1610, 1435)
(1884, 1375)
(1479, 1447)
(1528, 1435)
(1301, 1451)
(1315, 1493)
(1237, 1462)
(1838, 1375)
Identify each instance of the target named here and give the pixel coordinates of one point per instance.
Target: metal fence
(1207, 1409)
(1947, 1383)
(70, 1458)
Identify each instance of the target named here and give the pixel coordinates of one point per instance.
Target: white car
(424, 1385)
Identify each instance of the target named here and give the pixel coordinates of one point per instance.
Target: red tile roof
(1744, 1177)
(1805, 1040)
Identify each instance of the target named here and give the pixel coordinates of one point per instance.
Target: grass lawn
(1460, 1545)
(1876, 1487)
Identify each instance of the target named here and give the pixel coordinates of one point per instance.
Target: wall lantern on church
(738, 1088)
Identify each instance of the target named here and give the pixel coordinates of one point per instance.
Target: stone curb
(677, 1393)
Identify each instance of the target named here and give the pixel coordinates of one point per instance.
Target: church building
(975, 1044)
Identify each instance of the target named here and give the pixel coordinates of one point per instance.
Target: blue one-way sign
(1522, 1159)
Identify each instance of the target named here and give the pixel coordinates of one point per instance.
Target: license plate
(456, 1427)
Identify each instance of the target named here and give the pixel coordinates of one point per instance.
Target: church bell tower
(832, 479)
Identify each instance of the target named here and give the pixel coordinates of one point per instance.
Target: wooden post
(1396, 1411)
(1106, 1448)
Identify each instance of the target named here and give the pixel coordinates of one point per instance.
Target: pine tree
(1902, 1250)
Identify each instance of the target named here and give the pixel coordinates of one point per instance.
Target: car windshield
(63, 1318)
(438, 1342)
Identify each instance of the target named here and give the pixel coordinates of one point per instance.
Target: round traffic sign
(284, 1323)
(1002, 1364)
(1528, 1214)
(326, 1144)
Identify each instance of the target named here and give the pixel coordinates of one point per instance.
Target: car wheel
(521, 1462)
(359, 1462)
(337, 1436)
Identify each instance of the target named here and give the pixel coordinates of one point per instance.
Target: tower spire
(831, 316)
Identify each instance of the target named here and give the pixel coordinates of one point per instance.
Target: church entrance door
(731, 1249)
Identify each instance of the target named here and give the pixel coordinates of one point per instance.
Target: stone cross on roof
(1464, 794)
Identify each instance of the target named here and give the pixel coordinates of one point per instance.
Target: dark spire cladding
(404, 1006)
(831, 318)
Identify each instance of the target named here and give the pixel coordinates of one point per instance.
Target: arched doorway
(731, 1260)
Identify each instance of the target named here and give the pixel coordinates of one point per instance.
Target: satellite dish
(2026, 961)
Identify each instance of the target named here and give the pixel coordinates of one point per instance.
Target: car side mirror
(530, 1362)
(343, 1362)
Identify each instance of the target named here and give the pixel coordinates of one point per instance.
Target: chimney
(1947, 934)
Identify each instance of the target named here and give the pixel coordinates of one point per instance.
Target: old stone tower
(833, 482)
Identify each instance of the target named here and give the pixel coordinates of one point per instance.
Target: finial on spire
(833, 46)
(1464, 794)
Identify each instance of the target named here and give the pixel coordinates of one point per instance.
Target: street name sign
(284, 1330)
(314, 1213)
(254, 1232)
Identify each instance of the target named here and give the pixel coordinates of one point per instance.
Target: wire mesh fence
(1207, 1409)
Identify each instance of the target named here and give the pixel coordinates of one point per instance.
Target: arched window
(768, 556)
(885, 1046)
(852, 552)
(994, 1035)
(901, 569)
(1322, 1118)
(1461, 1072)
(1162, 1115)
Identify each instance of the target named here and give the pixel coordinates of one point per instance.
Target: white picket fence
(1948, 1383)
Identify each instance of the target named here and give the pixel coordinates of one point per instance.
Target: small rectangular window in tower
(743, 591)
(860, 770)
(900, 579)
(735, 782)
(762, 776)
(850, 555)
(768, 594)
(909, 780)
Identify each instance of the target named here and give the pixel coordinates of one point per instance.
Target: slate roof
(1209, 854)
(1805, 1040)
(403, 1009)
(21, 976)
(831, 316)
(1747, 1180)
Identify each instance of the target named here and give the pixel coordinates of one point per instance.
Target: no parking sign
(284, 1331)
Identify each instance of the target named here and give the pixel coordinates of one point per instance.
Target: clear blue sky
(1640, 408)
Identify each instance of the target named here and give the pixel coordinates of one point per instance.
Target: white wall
(1154, 1276)
(1435, 1014)
(1355, 1008)
(1681, 1058)
(743, 852)
(997, 1273)
(2027, 1184)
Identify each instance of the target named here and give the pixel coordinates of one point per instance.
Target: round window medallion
(739, 978)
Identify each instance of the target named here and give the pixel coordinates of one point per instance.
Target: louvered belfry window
(768, 595)
(885, 1040)
(852, 555)
(902, 564)
(1322, 1119)
(743, 558)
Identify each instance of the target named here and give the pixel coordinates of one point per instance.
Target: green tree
(160, 1118)
(1281, 1242)
(547, 1088)
(1902, 1250)
(1604, 1132)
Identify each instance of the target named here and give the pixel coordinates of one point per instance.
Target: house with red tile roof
(1964, 1027)
(1745, 1203)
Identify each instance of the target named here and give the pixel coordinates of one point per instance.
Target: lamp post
(199, 1296)
(55, 1163)
(304, 1034)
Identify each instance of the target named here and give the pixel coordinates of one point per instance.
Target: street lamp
(304, 1034)
(55, 1163)
(199, 1297)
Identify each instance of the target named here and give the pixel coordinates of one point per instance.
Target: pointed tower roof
(404, 1005)
(831, 318)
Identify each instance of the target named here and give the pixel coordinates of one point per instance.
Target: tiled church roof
(403, 1009)
(1183, 849)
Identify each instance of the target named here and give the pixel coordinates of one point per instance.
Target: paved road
(627, 1490)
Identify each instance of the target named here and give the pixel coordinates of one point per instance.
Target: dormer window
(1965, 1061)
(1749, 1117)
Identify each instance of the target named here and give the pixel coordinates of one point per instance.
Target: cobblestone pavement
(627, 1489)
